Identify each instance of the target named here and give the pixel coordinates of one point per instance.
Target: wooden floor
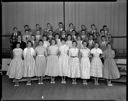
(59, 91)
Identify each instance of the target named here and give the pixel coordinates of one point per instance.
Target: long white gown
(74, 63)
(96, 63)
(63, 61)
(85, 63)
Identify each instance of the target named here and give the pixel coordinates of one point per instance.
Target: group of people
(71, 54)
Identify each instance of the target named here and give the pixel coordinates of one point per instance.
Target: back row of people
(38, 33)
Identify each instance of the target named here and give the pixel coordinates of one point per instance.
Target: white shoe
(64, 82)
(85, 83)
(28, 84)
(16, 85)
(109, 84)
(41, 83)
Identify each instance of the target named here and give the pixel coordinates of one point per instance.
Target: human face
(44, 38)
(93, 27)
(18, 45)
(83, 27)
(85, 44)
(57, 36)
(69, 37)
(37, 26)
(109, 46)
(19, 38)
(96, 45)
(29, 44)
(60, 26)
(74, 44)
(79, 38)
(40, 43)
(63, 42)
(53, 42)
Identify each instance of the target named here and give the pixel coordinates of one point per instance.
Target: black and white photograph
(67, 50)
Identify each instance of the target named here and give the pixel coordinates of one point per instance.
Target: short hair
(104, 26)
(41, 40)
(60, 23)
(54, 40)
(17, 43)
(93, 25)
(37, 24)
(85, 41)
(63, 39)
(70, 36)
(79, 36)
(29, 42)
(57, 34)
(26, 26)
(101, 30)
(74, 41)
(15, 28)
(70, 24)
(103, 36)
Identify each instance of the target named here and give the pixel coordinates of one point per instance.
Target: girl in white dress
(15, 69)
(85, 62)
(57, 37)
(46, 43)
(74, 62)
(29, 62)
(96, 63)
(63, 60)
(52, 68)
(40, 61)
(69, 40)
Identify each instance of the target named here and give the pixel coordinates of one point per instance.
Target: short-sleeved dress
(91, 44)
(69, 43)
(40, 61)
(52, 68)
(74, 63)
(46, 44)
(15, 69)
(79, 44)
(110, 70)
(29, 62)
(96, 63)
(85, 63)
(63, 61)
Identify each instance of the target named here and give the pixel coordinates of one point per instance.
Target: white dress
(74, 63)
(63, 61)
(69, 43)
(52, 68)
(15, 69)
(96, 63)
(85, 63)
(29, 62)
(46, 44)
(40, 61)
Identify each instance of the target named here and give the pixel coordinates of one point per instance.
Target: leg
(38, 80)
(84, 82)
(16, 82)
(29, 81)
(64, 80)
(41, 80)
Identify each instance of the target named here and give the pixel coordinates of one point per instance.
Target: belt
(40, 55)
(73, 56)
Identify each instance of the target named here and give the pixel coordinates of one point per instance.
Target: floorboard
(60, 91)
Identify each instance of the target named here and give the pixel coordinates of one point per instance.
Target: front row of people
(63, 61)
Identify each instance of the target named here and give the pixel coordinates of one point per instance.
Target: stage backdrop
(112, 14)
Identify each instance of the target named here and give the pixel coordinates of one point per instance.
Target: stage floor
(60, 91)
